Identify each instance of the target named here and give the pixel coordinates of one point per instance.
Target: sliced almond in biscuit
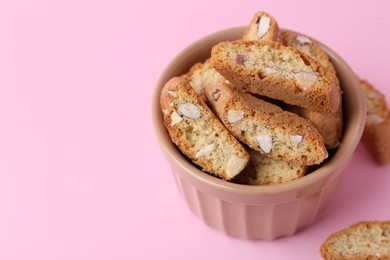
(265, 142)
(306, 79)
(189, 110)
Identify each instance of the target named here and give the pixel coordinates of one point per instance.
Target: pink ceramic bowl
(259, 212)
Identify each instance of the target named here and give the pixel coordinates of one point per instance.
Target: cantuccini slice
(308, 46)
(376, 135)
(264, 171)
(264, 127)
(198, 133)
(279, 72)
(363, 240)
(202, 74)
(262, 27)
(330, 125)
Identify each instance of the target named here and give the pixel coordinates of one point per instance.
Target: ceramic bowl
(265, 211)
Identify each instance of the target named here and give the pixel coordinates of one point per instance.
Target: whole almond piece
(189, 110)
(265, 142)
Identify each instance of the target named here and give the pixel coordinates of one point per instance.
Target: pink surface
(82, 176)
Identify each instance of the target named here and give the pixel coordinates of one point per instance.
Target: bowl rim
(343, 154)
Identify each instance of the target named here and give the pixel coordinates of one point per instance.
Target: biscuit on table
(376, 135)
(363, 240)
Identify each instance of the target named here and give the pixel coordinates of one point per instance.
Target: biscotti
(376, 135)
(198, 133)
(265, 127)
(202, 74)
(261, 170)
(264, 171)
(279, 72)
(329, 125)
(262, 27)
(363, 240)
(308, 46)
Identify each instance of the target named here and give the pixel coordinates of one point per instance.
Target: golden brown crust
(375, 100)
(198, 133)
(377, 141)
(376, 135)
(264, 171)
(266, 128)
(363, 240)
(329, 125)
(279, 72)
(202, 74)
(263, 27)
(191, 76)
(308, 46)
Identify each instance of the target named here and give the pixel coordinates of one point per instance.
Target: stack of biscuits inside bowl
(264, 109)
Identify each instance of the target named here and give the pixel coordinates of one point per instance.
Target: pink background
(81, 173)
